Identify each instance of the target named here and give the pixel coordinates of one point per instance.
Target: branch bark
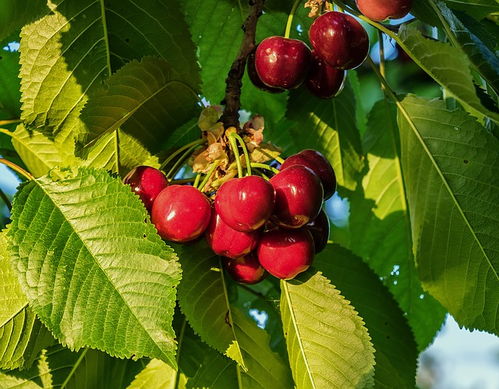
(230, 117)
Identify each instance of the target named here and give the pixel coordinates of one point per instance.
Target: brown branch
(230, 117)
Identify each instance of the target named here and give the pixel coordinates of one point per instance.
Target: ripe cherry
(286, 253)
(282, 62)
(146, 182)
(245, 204)
(246, 270)
(181, 213)
(319, 228)
(227, 242)
(299, 196)
(323, 80)
(316, 162)
(380, 10)
(255, 78)
(339, 39)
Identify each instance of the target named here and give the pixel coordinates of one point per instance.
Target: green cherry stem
(264, 167)
(382, 68)
(180, 151)
(182, 181)
(209, 174)
(291, 15)
(196, 181)
(11, 121)
(237, 156)
(245, 151)
(180, 161)
(17, 169)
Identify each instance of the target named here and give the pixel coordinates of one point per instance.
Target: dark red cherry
(323, 80)
(245, 204)
(246, 270)
(282, 62)
(380, 10)
(319, 228)
(316, 162)
(227, 242)
(146, 182)
(339, 39)
(181, 213)
(299, 196)
(255, 78)
(286, 253)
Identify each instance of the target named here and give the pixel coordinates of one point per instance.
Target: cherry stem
(277, 158)
(11, 121)
(196, 181)
(232, 101)
(179, 151)
(182, 181)
(265, 167)
(381, 42)
(209, 174)
(17, 168)
(245, 151)
(265, 177)
(5, 199)
(291, 15)
(180, 161)
(237, 156)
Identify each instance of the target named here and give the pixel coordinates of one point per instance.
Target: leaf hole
(466, 161)
(127, 40)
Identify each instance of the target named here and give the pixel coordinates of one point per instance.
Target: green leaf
(328, 345)
(58, 367)
(10, 96)
(451, 170)
(477, 8)
(396, 351)
(328, 126)
(156, 375)
(94, 270)
(146, 100)
(22, 336)
(16, 13)
(379, 227)
(66, 55)
(447, 65)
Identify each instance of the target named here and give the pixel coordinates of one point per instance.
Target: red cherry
(319, 228)
(227, 242)
(245, 204)
(380, 10)
(323, 80)
(282, 62)
(286, 253)
(255, 78)
(299, 196)
(181, 213)
(339, 39)
(246, 270)
(318, 163)
(146, 182)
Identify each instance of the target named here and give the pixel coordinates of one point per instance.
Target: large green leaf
(16, 13)
(379, 228)
(94, 270)
(447, 65)
(396, 351)
(156, 375)
(328, 126)
(477, 8)
(22, 336)
(66, 55)
(451, 170)
(58, 367)
(328, 345)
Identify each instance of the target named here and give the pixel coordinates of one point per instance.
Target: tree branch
(230, 117)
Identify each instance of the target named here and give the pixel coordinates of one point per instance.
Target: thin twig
(16, 168)
(5, 199)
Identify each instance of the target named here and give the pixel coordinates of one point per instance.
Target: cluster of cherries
(258, 226)
(339, 43)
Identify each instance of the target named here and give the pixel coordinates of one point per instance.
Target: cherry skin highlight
(147, 182)
(181, 213)
(286, 253)
(246, 270)
(299, 196)
(227, 242)
(380, 10)
(245, 204)
(323, 80)
(339, 39)
(255, 78)
(318, 163)
(282, 62)
(319, 228)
